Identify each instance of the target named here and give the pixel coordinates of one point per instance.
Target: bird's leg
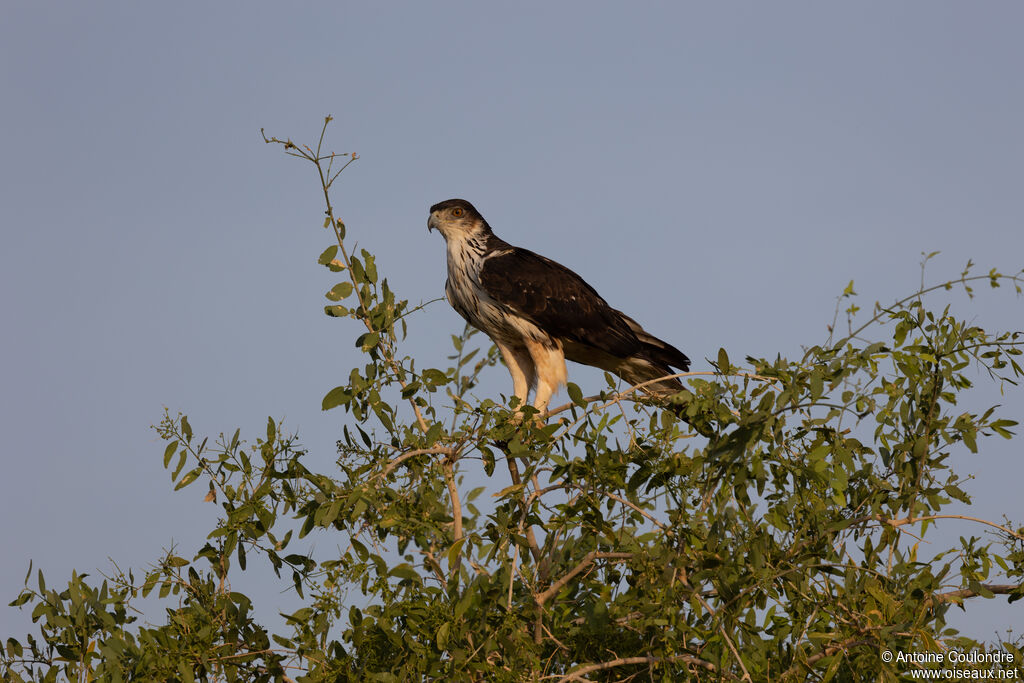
(551, 373)
(545, 391)
(520, 366)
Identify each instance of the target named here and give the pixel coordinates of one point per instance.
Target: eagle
(539, 313)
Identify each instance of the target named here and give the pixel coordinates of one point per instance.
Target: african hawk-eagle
(539, 312)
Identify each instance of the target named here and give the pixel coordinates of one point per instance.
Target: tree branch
(453, 493)
(586, 562)
(827, 652)
(963, 593)
(725, 635)
(578, 674)
(531, 538)
(439, 450)
(643, 512)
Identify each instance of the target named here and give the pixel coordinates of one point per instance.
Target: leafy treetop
(604, 541)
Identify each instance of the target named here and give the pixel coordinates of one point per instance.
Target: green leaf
(455, 550)
(368, 341)
(980, 589)
(370, 267)
(464, 603)
(575, 395)
(442, 636)
(300, 616)
(328, 254)
(332, 512)
(434, 377)
(833, 668)
(406, 572)
(816, 385)
(509, 490)
(358, 274)
(487, 455)
(1000, 428)
(336, 397)
(14, 649)
(24, 597)
(169, 453)
(189, 478)
(339, 291)
(723, 362)
(969, 436)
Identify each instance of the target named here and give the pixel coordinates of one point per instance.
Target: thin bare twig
(914, 520)
(917, 295)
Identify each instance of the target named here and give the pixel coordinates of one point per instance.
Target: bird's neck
(466, 251)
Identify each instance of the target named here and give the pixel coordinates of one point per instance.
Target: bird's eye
(458, 211)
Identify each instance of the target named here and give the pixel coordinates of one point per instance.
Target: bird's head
(456, 218)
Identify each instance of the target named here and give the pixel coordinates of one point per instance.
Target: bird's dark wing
(557, 301)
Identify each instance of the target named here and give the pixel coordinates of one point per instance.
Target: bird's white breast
(466, 294)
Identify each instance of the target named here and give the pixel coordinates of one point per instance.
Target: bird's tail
(659, 353)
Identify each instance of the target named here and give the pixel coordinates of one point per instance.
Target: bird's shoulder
(517, 270)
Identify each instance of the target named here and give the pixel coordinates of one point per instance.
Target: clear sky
(718, 170)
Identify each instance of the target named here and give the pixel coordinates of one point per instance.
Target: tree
(608, 540)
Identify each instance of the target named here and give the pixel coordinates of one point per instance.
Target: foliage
(604, 541)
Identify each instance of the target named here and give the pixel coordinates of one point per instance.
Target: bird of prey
(539, 312)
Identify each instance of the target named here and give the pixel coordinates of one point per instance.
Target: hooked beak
(432, 222)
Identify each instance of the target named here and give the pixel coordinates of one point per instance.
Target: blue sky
(718, 170)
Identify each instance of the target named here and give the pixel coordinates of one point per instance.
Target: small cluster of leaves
(765, 524)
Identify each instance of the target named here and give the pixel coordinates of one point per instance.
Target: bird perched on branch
(539, 312)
